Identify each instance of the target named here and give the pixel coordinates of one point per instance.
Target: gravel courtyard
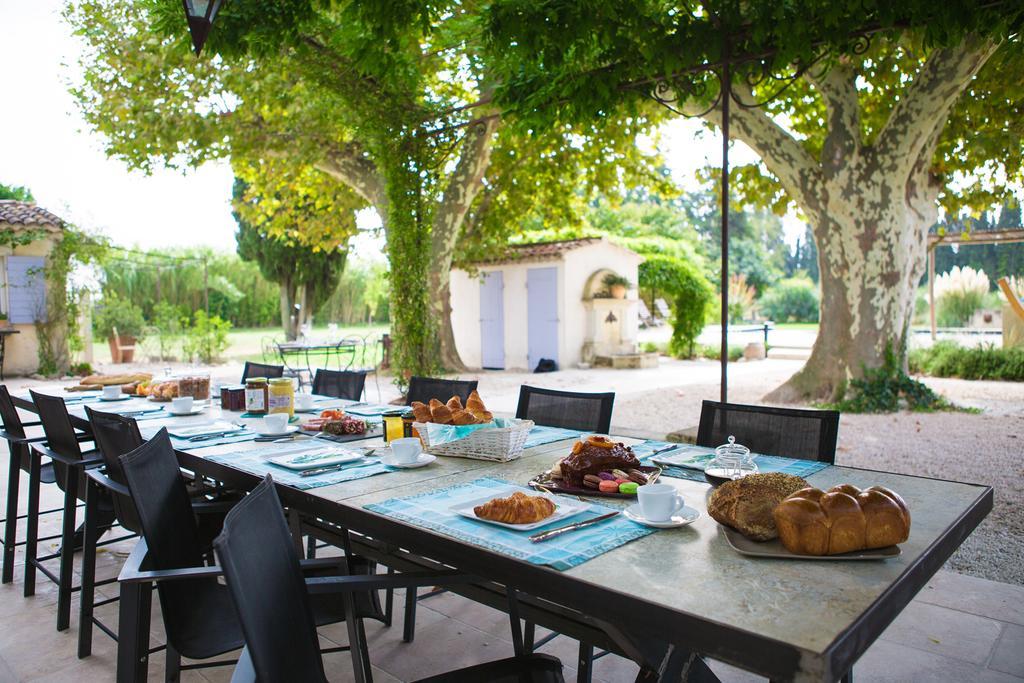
(985, 448)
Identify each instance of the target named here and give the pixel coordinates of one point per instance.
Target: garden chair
(272, 601)
(119, 348)
(646, 319)
(18, 443)
(786, 432)
(663, 309)
(344, 384)
(1011, 297)
(70, 462)
(261, 370)
(566, 409)
(423, 389)
(199, 618)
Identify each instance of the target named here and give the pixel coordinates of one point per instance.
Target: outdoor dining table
(656, 600)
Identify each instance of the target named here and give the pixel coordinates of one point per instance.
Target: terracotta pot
(119, 356)
(617, 291)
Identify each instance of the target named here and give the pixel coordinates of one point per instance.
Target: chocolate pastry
(596, 454)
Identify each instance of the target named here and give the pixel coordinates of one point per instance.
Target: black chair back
(171, 533)
(345, 384)
(262, 570)
(261, 370)
(787, 432)
(9, 414)
(60, 434)
(425, 388)
(115, 435)
(566, 409)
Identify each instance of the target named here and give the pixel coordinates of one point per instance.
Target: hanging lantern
(200, 15)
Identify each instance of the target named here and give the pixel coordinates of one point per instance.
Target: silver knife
(217, 435)
(558, 531)
(334, 468)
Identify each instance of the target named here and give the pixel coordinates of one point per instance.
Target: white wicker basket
(500, 444)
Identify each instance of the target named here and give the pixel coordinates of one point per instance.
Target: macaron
(607, 476)
(607, 486)
(629, 488)
(592, 481)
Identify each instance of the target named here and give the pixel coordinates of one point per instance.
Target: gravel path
(985, 448)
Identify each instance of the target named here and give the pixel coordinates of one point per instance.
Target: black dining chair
(18, 442)
(261, 370)
(346, 384)
(788, 432)
(425, 388)
(585, 412)
(199, 618)
(566, 409)
(70, 462)
(272, 600)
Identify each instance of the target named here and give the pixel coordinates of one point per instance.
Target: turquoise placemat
(431, 510)
(541, 435)
(699, 456)
(255, 462)
(149, 431)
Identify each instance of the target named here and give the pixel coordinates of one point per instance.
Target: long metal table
(658, 598)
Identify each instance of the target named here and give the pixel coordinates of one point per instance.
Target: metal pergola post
(726, 96)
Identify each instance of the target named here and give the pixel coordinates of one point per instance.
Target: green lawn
(247, 344)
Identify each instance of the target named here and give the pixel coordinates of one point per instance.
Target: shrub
(791, 300)
(715, 352)
(741, 297)
(207, 339)
(168, 324)
(122, 314)
(887, 389)
(691, 294)
(958, 294)
(948, 359)
(652, 347)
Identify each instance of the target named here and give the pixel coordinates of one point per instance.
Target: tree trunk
(871, 232)
(288, 321)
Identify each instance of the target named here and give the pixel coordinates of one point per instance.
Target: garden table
(328, 348)
(655, 600)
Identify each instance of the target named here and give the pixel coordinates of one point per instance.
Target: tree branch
(838, 88)
(463, 186)
(351, 166)
(926, 102)
(783, 154)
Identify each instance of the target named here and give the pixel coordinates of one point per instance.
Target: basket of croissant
(468, 431)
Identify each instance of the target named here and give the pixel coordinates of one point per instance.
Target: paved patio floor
(959, 628)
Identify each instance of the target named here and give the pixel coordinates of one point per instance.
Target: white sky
(45, 145)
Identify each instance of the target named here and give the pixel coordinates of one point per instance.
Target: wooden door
(492, 321)
(542, 314)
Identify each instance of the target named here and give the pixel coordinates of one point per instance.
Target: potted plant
(617, 285)
(124, 317)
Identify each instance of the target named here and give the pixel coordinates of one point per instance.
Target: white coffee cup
(658, 502)
(182, 405)
(110, 392)
(406, 450)
(275, 423)
(304, 401)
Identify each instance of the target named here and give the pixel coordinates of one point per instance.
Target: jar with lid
(256, 395)
(731, 461)
(394, 425)
(281, 396)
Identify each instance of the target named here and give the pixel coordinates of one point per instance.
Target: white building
(545, 300)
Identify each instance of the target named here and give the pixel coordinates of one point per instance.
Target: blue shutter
(26, 289)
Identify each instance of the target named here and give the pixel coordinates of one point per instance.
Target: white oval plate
(122, 397)
(195, 411)
(423, 460)
(290, 429)
(685, 516)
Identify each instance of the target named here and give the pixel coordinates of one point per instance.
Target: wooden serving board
(559, 486)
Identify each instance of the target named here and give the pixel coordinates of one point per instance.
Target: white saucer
(423, 460)
(195, 411)
(122, 397)
(682, 517)
(290, 429)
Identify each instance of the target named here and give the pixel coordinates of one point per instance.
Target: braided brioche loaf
(841, 520)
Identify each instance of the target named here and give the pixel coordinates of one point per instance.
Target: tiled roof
(17, 213)
(540, 251)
